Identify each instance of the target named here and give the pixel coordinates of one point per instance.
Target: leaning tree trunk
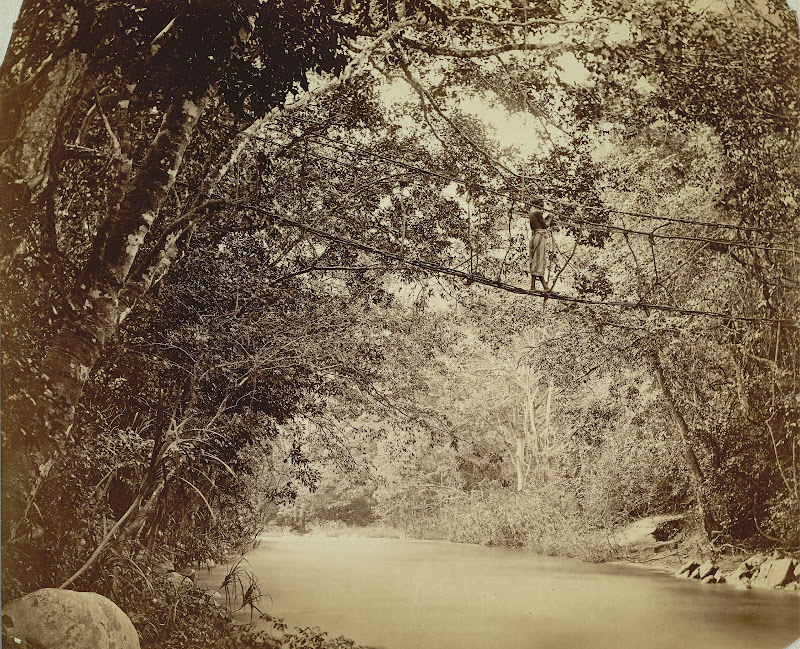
(695, 472)
(95, 313)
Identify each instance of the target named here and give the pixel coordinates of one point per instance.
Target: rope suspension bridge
(494, 283)
(476, 278)
(562, 205)
(362, 152)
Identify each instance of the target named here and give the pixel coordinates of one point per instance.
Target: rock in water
(706, 569)
(742, 571)
(687, 569)
(53, 618)
(774, 573)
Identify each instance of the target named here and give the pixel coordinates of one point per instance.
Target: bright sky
(520, 131)
(9, 9)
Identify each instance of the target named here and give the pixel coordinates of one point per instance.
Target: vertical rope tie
(403, 224)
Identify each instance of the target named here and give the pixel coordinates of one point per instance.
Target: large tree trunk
(42, 76)
(695, 473)
(95, 313)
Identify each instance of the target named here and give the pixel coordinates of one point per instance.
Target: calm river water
(403, 594)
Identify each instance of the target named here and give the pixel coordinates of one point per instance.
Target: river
(406, 594)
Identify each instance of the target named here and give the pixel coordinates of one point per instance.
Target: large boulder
(54, 618)
(774, 573)
(706, 569)
(756, 560)
(743, 571)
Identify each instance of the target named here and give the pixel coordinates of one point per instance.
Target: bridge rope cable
(596, 224)
(486, 281)
(680, 237)
(644, 215)
(593, 224)
(586, 222)
(362, 152)
(622, 230)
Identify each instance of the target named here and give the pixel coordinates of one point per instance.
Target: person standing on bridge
(537, 247)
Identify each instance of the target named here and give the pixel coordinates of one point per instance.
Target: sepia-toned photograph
(400, 324)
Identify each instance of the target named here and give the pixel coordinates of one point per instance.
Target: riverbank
(666, 543)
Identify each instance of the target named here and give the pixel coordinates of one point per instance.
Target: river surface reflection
(405, 594)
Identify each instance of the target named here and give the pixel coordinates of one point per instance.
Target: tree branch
(155, 263)
(524, 23)
(312, 269)
(417, 86)
(478, 53)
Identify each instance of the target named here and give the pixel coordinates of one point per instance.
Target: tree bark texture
(41, 79)
(695, 472)
(95, 310)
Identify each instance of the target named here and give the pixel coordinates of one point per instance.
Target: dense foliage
(232, 282)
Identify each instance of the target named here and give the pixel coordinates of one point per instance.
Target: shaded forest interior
(265, 262)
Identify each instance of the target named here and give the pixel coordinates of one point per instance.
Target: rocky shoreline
(776, 571)
(668, 544)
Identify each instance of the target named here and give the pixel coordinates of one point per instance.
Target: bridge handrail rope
(607, 226)
(360, 151)
(472, 277)
(479, 279)
(564, 217)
